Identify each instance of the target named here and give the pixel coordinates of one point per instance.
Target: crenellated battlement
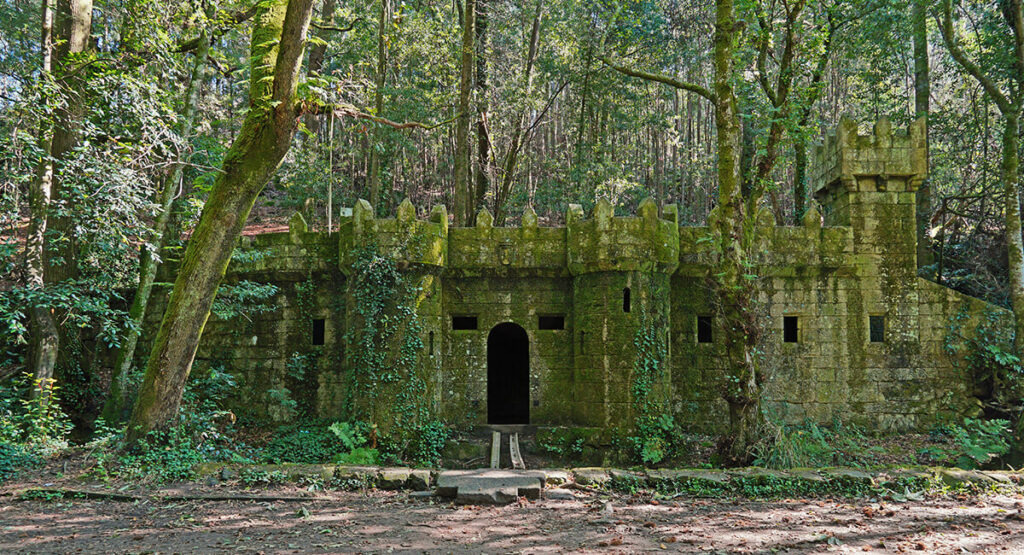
(566, 312)
(881, 161)
(606, 242)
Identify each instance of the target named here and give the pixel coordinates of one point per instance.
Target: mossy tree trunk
(378, 102)
(483, 143)
(44, 338)
(149, 259)
(735, 290)
(730, 275)
(463, 189)
(922, 107)
(278, 42)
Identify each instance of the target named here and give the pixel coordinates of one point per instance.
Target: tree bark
(149, 260)
(1014, 242)
(378, 104)
(463, 193)
(72, 27)
(922, 95)
(742, 388)
(483, 141)
(278, 42)
(44, 338)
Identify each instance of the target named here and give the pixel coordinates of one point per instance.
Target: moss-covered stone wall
(607, 285)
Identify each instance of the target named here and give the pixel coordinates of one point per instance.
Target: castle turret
(409, 371)
(621, 268)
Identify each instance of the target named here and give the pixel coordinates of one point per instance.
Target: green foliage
(811, 445)
(201, 432)
(303, 443)
(385, 358)
(246, 299)
(993, 365)
(257, 477)
(31, 428)
(970, 445)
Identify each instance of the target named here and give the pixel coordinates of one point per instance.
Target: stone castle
(538, 325)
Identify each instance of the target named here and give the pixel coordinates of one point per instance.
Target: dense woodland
(134, 131)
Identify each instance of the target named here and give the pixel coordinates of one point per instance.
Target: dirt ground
(378, 521)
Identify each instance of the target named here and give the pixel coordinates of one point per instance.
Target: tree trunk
(742, 390)
(1014, 242)
(149, 261)
(799, 180)
(72, 27)
(515, 145)
(316, 59)
(463, 192)
(922, 94)
(278, 41)
(44, 338)
(483, 142)
(378, 104)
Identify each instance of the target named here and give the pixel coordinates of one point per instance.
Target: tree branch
(353, 112)
(658, 78)
(946, 28)
(325, 27)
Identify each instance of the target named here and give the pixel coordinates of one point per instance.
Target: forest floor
(291, 519)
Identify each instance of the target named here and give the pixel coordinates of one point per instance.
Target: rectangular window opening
(626, 300)
(876, 328)
(464, 323)
(319, 331)
(790, 329)
(551, 322)
(704, 334)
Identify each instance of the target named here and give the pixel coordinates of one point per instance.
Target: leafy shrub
(428, 443)
(14, 458)
(811, 445)
(971, 445)
(303, 443)
(201, 432)
(354, 436)
(31, 428)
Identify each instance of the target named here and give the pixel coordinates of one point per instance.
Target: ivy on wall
(385, 386)
(653, 421)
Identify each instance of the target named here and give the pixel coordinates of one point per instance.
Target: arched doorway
(508, 375)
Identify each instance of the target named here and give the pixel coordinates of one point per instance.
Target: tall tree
(45, 340)
(464, 196)
(483, 141)
(1009, 101)
(922, 102)
(149, 258)
(277, 46)
(1005, 86)
(730, 273)
(520, 131)
(378, 101)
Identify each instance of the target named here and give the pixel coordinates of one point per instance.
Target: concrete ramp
(489, 486)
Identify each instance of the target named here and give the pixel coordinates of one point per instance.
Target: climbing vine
(653, 422)
(385, 386)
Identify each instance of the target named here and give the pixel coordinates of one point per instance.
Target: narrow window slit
(876, 328)
(704, 329)
(464, 323)
(319, 331)
(790, 329)
(551, 322)
(625, 300)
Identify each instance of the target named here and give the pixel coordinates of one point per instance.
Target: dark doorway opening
(508, 375)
